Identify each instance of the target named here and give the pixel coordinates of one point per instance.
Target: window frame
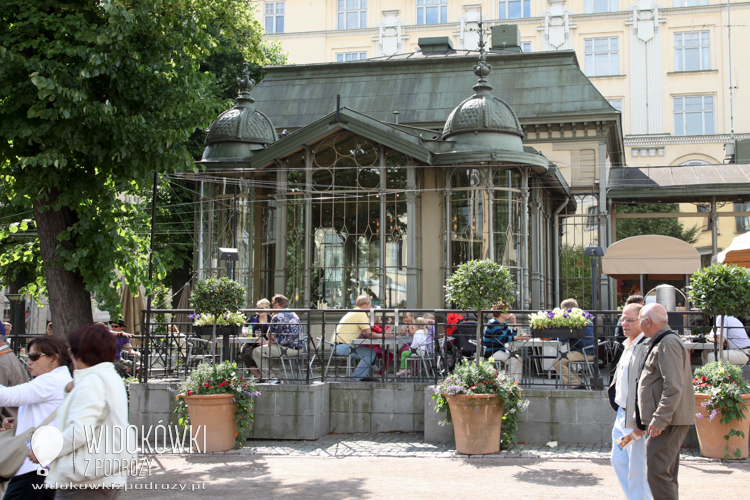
(442, 10)
(706, 127)
(274, 16)
(343, 14)
(343, 55)
(613, 66)
(589, 6)
(619, 107)
(523, 47)
(503, 9)
(689, 3)
(741, 222)
(704, 50)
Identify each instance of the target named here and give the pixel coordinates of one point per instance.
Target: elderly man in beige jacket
(665, 401)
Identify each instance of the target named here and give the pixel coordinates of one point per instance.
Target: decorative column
(550, 254)
(448, 226)
(251, 231)
(489, 206)
(603, 220)
(308, 224)
(411, 238)
(382, 275)
(536, 248)
(646, 69)
(280, 257)
(524, 285)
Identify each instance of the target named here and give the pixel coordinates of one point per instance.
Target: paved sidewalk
(412, 445)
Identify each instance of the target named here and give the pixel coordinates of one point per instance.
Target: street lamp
(230, 255)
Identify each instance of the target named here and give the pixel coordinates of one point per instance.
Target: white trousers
(630, 463)
(733, 356)
(516, 366)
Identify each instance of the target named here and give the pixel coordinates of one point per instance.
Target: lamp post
(595, 253)
(230, 255)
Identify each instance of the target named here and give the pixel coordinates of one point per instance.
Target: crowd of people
(75, 386)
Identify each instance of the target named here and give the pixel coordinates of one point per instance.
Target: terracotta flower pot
(477, 422)
(711, 432)
(213, 413)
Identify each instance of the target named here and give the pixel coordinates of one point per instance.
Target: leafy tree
(215, 296)
(667, 227)
(479, 285)
(95, 98)
(721, 290)
(576, 276)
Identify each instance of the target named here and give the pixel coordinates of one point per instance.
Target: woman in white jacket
(50, 366)
(95, 410)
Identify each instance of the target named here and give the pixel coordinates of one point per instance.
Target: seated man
(284, 338)
(496, 334)
(737, 351)
(353, 325)
(577, 352)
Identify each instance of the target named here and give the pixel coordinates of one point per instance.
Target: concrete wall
(312, 411)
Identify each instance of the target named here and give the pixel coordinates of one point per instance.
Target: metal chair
(332, 355)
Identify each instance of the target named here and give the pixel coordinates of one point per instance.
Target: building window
(616, 103)
(708, 223)
(432, 11)
(274, 17)
(352, 14)
(597, 6)
(513, 9)
(741, 222)
(689, 3)
(694, 115)
(602, 56)
(692, 51)
(351, 56)
(525, 46)
(591, 221)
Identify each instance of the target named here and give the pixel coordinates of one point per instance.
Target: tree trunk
(69, 301)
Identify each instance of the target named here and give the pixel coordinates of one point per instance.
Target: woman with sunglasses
(50, 365)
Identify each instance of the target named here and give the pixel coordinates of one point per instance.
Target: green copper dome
(239, 131)
(482, 113)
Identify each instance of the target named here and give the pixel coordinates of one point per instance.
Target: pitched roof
(425, 88)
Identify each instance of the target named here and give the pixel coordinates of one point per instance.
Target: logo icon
(46, 443)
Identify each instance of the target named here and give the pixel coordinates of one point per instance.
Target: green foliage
(217, 295)
(576, 276)
(94, 98)
(667, 227)
(221, 379)
(469, 379)
(480, 284)
(725, 385)
(721, 290)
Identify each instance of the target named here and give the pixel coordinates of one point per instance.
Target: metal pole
(596, 380)
(147, 338)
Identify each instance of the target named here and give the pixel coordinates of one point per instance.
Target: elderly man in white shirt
(629, 462)
(738, 343)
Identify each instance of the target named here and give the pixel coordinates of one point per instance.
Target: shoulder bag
(13, 447)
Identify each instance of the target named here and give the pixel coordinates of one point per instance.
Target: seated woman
(496, 334)
(50, 365)
(259, 324)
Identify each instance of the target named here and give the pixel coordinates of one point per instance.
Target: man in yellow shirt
(351, 326)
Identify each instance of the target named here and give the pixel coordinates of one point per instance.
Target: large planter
(711, 433)
(477, 422)
(214, 415)
(550, 333)
(222, 332)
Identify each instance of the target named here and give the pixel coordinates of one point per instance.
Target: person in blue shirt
(496, 334)
(580, 349)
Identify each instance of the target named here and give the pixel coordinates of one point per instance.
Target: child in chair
(419, 343)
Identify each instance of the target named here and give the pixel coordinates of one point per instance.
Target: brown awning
(650, 254)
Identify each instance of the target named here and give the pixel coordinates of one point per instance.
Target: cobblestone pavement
(412, 444)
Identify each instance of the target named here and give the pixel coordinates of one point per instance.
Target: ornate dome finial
(245, 83)
(482, 68)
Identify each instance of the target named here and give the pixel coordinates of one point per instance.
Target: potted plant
(475, 396)
(478, 285)
(217, 400)
(721, 400)
(721, 290)
(217, 302)
(483, 405)
(560, 323)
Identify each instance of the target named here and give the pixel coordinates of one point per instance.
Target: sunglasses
(34, 356)
(628, 320)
